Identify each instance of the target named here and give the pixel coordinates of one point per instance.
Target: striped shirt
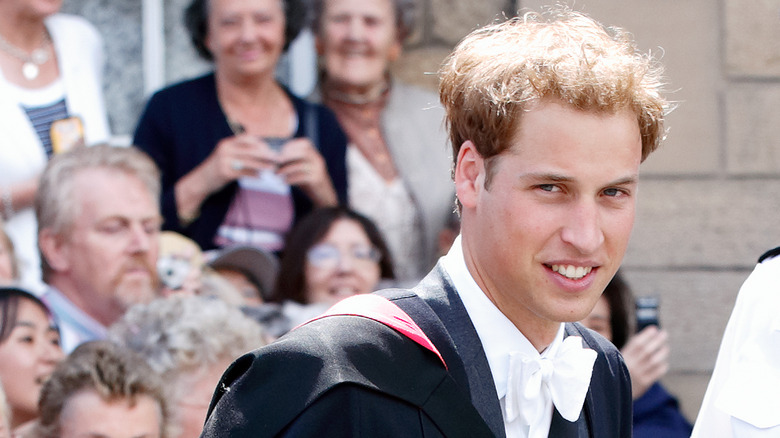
(43, 107)
(42, 118)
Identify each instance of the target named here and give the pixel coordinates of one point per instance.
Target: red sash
(382, 310)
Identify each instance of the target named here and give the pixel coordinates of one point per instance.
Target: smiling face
(547, 235)
(246, 37)
(342, 264)
(106, 261)
(357, 40)
(27, 357)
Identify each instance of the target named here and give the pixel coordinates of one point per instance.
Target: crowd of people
(231, 219)
(132, 277)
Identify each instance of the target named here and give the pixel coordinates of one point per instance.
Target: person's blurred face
(106, 261)
(87, 414)
(39, 8)
(196, 387)
(357, 40)
(6, 263)
(246, 37)
(599, 319)
(249, 292)
(544, 238)
(342, 264)
(27, 358)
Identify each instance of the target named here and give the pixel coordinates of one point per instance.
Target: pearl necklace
(32, 61)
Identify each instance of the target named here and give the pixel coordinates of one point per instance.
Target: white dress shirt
(742, 396)
(499, 338)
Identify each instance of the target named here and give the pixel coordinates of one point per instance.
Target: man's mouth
(572, 272)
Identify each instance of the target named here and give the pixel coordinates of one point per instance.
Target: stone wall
(707, 197)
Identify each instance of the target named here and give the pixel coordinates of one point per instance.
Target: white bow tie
(533, 381)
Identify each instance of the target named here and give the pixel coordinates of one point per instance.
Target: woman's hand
(236, 157)
(647, 358)
(300, 164)
(232, 158)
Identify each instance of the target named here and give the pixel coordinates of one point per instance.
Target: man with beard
(98, 226)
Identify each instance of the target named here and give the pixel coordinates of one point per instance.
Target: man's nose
(141, 240)
(583, 227)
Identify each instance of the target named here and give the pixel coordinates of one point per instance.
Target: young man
(549, 118)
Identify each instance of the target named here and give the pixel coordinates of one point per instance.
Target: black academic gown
(346, 376)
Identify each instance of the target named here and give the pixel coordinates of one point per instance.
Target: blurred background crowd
(301, 160)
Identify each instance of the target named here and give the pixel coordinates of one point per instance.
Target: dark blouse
(182, 124)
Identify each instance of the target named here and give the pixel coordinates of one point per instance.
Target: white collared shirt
(741, 398)
(499, 338)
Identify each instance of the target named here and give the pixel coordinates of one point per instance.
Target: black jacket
(345, 376)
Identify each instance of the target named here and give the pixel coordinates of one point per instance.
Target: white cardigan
(79, 50)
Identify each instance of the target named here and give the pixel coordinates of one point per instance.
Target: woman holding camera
(241, 157)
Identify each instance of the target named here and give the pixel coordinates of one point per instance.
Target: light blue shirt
(76, 327)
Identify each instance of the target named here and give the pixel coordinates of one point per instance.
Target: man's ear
(53, 250)
(469, 174)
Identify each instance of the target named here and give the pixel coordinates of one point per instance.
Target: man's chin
(136, 290)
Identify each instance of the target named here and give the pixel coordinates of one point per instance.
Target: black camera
(647, 312)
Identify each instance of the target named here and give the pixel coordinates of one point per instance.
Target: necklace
(31, 61)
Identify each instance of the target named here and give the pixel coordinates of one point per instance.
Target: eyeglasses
(327, 256)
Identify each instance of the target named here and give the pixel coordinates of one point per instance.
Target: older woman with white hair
(397, 157)
(189, 341)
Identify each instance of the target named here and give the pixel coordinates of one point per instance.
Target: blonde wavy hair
(498, 71)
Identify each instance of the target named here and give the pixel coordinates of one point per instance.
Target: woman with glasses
(331, 254)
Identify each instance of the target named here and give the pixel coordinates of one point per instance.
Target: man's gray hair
(55, 207)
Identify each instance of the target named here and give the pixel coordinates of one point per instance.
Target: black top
(182, 124)
(349, 376)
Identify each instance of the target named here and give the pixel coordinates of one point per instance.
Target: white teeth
(571, 271)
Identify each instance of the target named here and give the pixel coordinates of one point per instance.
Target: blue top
(657, 414)
(182, 124)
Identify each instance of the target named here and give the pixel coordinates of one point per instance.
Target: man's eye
(111, 228)
(549, 187)
(613, 192)
(339, 19)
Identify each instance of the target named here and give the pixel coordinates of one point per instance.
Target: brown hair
(113, 372)
(497, 72)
